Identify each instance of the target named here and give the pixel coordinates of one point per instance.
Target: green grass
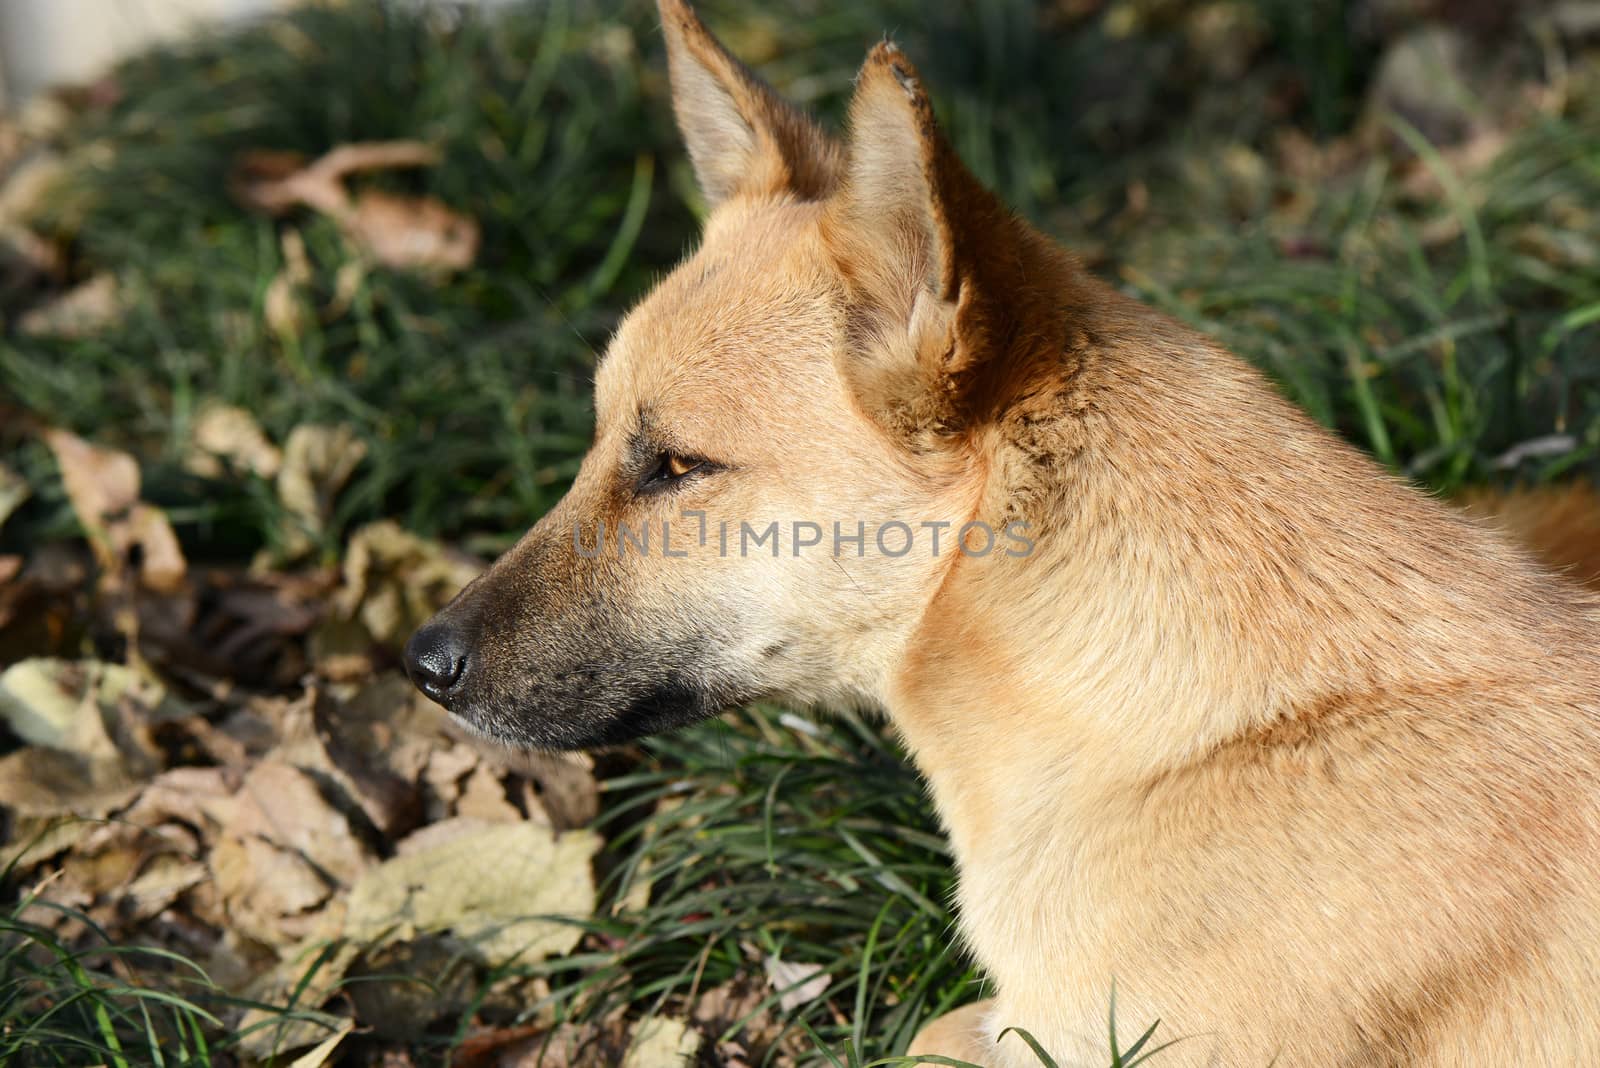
(1441, 333)
(1439, 336)
(90, 1001)
(758, 837)
(472, 396)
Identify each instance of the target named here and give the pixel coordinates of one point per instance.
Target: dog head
(789, 432)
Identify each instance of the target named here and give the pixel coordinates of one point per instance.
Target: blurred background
(298, 308)
(1331, 186)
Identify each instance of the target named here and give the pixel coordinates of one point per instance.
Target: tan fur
(1303, 761)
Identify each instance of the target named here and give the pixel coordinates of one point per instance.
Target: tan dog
(1303, 761)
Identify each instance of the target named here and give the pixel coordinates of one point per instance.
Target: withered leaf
(161, 563)
(797, 984)
(317, 462)
(100, 483)
(491, 886)
(306, 977)
(662, 1042)
(375, 745)
(200, 798)
(284, 306)
(394, 580)
(14, 490)
(83, 310)
(103, 488)
(277, 182)
(483, 797)
(283, 853)
(566, 786)
(27, 186)
(226, 433)
(160, 884)
(318, 1055)
(415, 233)
(35, 781)
(57, 703)
(34, 840)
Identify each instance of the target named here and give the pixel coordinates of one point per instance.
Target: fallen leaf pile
(254, 835)
(252, 784)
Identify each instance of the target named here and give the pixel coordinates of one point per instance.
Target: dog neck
(1209, 566)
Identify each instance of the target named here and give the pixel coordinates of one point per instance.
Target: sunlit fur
(1303, 761)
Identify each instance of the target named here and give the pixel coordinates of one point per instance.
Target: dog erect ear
(742, 136)
(949, 285)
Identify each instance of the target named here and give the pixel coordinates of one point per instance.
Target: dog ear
(944, 278)
(742, 136)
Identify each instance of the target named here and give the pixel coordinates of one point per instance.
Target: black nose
(436, 659)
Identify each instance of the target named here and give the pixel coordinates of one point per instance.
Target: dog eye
(668, 469)
(678, 466)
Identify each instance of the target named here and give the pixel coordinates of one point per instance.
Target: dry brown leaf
(413, 233)
(431, 836)
(99, 713)
(375, 745)
(409, 233)
(283, 853)
(131, 873)
(27, 187)
(530, 1046)
(284, 805)
(50, 897)
(100, 483)
(159, 885)
(54, 703)
(267, 890)
(566, 786)
(258, 179)
(797, 985)
(79, 312)
(35, 781)
(309, 974)
(28, 262)
(248, 627)
(225, 433)
(277, 182)
(733, 1002)
(318, 1055)
(393, 580)
(489, 886)
(662, 1042)
(317, 462)
(200, 798)
(14, 490)
(34, 840)
(284, 306)
(447, 769)
(483, 797)
(161, 563)
(505, 1047)
(346, 286)
(103, 488)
